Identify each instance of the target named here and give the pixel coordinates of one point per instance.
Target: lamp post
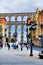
(31, 26)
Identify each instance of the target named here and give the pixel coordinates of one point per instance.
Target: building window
(0, 27)
(0, 21)
(0, 33)
(42, 21)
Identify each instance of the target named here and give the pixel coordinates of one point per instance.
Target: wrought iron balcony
(33, 28)
(41, 25)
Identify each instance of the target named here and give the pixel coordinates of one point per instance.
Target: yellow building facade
(38, 18)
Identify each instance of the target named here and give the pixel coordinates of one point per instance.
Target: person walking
(21, 46)
(8, 45)
(17, 45)
(27, 46)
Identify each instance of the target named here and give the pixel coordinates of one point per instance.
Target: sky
(14, 6)
(11, 6)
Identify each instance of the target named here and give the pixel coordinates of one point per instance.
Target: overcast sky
(20, 5)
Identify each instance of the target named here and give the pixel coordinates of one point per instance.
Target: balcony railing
(41, 25)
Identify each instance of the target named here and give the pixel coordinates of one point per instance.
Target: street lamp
(31, 26)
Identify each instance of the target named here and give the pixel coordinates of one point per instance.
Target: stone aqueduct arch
(16, 22)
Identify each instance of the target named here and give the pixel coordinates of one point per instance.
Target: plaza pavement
(24, 52)
(18, 57)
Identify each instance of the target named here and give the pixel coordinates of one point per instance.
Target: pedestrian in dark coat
(27, 46)
(8, 45)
